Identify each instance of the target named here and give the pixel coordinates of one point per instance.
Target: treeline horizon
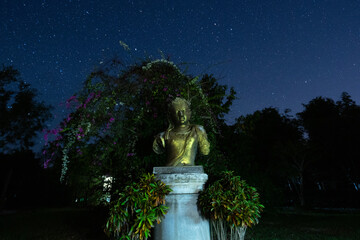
(311, 159)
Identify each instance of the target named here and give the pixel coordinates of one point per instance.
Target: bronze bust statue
(181, 140)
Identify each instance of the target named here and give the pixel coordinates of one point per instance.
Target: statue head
(179, 112)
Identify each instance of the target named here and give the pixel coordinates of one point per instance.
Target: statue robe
(181, 148)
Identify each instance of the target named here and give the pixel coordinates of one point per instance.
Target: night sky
(275, 53)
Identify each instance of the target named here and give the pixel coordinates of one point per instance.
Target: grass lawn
(307, 225)
(85, 224)
(52, 224)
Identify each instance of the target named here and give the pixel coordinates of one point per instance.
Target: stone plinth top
(178, 170)
(182, 180)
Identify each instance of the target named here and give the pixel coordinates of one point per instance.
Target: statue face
(180, 114)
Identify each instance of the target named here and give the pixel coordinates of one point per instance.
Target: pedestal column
(183, 220)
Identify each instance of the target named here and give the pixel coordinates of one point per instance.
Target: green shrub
(140, 204)
(231, 205)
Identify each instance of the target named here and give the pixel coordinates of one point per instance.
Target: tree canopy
(116, 115)
(312, 156)
(22, 115)
(334, 138)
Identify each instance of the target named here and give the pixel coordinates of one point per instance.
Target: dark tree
(22, 117)
(257, 146)
(334, 138)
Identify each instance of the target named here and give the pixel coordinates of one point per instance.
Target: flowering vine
(115, 113)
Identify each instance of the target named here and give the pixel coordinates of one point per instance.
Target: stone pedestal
(183, 220)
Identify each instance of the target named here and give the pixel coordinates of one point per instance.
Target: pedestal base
(183, 220)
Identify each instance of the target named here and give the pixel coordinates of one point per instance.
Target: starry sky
(279, 53)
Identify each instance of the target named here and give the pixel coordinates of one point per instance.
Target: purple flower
(79, 152)
(68, 118)
(130, 154)
(114, 143)
(68, 102)
(44, 152)
(165, 89)
(147, 103)
(145, 80)
(81, 130)
(71, 98)
(54, 131)
(78, 136)
(163, 76)
(46, 137)
(46, 163)
(92, 95)
(111, 120)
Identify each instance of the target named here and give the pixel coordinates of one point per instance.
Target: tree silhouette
(257, 147)
(22, 116)
(334, 137)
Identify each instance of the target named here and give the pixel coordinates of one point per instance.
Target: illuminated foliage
(138, 207)
(231, 205)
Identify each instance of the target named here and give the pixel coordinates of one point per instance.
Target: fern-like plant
(134, 213)
(231, 206)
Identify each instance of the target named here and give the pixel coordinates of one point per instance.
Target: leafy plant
(231, 205)
(140, 204)
(112, 122)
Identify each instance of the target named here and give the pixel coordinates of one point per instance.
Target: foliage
(266, 131)
(22, 116)
(260, 155)
(334, 136)
(231, 205)
(137, 208)
(115, 117)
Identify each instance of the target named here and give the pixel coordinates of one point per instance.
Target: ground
(74, 223)
(336, 224)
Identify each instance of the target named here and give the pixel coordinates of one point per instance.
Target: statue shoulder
(203, 141)
(160, 135)
(159, 143)
(199, 128)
